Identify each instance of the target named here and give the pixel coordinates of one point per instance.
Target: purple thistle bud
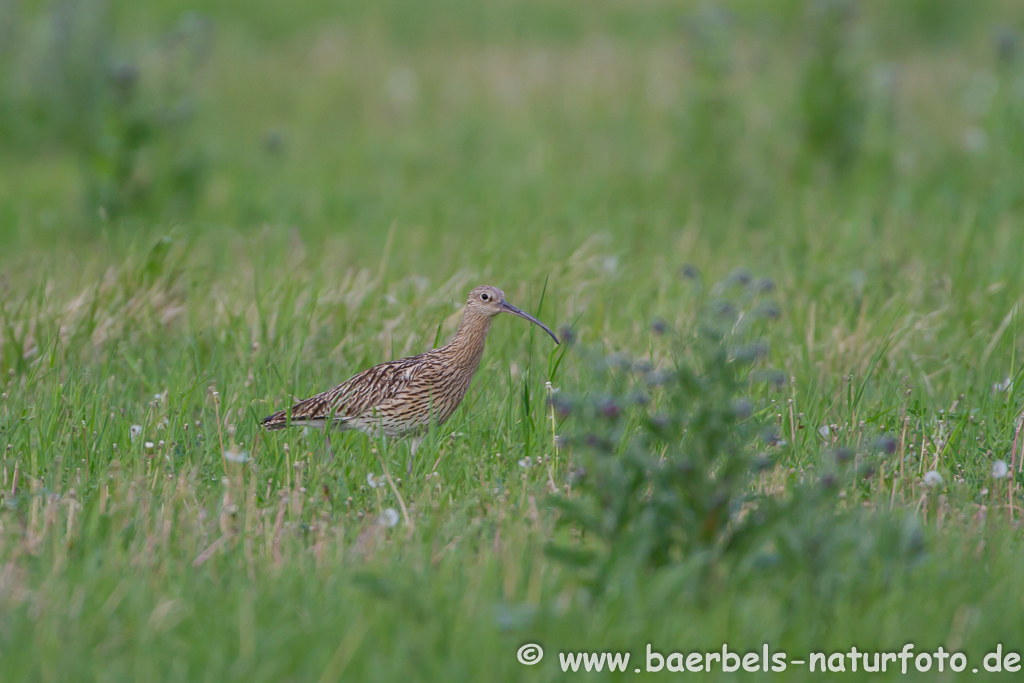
(689, 272)
(642, 366)
(561, 404)
(842, 455)
(659, 421)
(768, 310)
(742, 408)
(609, 409)
(724, 309)
(886, 444)
(639, 398)
(739, 276)
(656, 379)
(750, 352)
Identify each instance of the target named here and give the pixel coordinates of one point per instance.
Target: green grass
(357, 170)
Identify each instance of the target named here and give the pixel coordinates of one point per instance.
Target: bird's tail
(278, 420)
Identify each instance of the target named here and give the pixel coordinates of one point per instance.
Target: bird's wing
(355, 397)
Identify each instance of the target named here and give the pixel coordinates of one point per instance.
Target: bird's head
(490, 301)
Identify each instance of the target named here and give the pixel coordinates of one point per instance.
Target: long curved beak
(509, 308)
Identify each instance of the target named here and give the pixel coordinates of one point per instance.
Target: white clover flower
(135, 432)
(999, 469)
(236, 456)
(1004, 386)
(932, 478)
(389, 518)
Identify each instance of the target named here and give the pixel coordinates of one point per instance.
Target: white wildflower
(389, 518)
(824, 431)
(525, 463)
(236, 456)
(372, 481)
(149, 445)
(135, 432)
(932, 478)
(999, 469)
(1002, 387)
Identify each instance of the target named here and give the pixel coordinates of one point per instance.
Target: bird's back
(396, 398)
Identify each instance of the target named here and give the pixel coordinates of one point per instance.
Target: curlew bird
(401, 397)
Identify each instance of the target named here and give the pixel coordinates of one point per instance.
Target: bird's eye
(485, 297)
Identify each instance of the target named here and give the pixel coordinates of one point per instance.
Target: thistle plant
(665, 476)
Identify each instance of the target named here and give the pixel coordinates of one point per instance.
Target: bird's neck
(468, 344)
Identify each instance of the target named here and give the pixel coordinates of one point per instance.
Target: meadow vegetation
(783, 240)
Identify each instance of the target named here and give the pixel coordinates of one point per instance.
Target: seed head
(389, 518)
(234, 455)
(999, 469)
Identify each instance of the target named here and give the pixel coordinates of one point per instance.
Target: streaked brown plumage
(399, 398)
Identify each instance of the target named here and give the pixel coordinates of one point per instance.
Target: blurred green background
(549, 120)
(262, 198)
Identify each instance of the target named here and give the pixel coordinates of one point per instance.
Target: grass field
(207, 211)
